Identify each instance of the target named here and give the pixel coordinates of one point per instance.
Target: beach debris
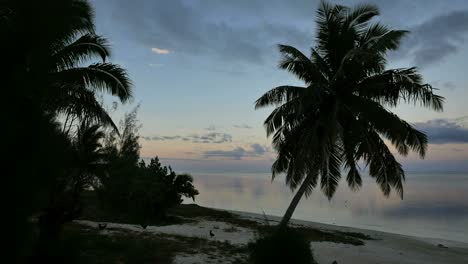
(334, 262)
(102, 226)
(441, 246)
(211, 234)
(144, 226)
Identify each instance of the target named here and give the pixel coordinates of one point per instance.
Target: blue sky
(198, 66)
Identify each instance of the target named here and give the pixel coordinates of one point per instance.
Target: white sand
(222, 231)
(387, 248)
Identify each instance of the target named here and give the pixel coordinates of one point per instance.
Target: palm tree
(341, 115)
(86, 164)
(54, 71)
(48, 52)
(90, 160)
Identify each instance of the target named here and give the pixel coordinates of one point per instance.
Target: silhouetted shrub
(283, 246)
(157, 188)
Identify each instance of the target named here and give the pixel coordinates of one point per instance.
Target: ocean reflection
(434, 205)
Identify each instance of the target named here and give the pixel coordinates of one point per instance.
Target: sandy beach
(383, 248)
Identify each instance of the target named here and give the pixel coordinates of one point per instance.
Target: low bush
(282, 246)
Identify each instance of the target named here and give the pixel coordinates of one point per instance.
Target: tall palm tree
(341, 115)
(48, 52)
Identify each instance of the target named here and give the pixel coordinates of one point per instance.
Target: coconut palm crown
(342, 115)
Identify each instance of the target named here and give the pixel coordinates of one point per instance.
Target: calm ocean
(434, 205)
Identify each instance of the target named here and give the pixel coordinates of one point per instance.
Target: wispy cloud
(237, 153)
(243, 126)
(436, 38)
(212, 137)
(160, 51)
(444, 131)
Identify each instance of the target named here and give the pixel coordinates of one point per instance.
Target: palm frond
(279, 95)
(383, 166)
(298, 64)
(99, 77)
(350, 141)
(401, 134)
(82, 103)
(331, 170)
(361, 14)
(390, 40)
(86, 47)
(391, 86)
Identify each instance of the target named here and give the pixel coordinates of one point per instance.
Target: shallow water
(434, 205)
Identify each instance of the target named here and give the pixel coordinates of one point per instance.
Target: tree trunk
(295, 201)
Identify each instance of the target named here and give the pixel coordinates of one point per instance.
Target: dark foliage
(142, 191)
(283, 246)
(157, 188)
(45, 48)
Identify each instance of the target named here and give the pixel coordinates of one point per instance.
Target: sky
(199, 65)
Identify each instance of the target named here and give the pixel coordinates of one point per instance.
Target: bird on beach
(102, 226)
(211, 234)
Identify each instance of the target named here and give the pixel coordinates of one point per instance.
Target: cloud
(443, 131)
(171, 137)
(155, 64)
(243, 126)
(212, 137)
(229, 31)
(247, 31)
(154, 138)
(258, 149)
(236, 153)
(448, 85)
(160, 51)
(436, 38)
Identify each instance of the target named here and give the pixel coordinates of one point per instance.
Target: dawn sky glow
(198, 66)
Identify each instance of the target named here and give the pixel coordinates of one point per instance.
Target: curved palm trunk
(295, 201)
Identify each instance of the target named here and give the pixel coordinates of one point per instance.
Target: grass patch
(87, 245)
(195, 211)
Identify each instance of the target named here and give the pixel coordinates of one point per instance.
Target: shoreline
(385, 248)
(382, 247)
(332, 227)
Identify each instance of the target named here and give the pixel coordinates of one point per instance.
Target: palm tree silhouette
(49, 51)
(341, 116)
(89, 160)
(67, 64)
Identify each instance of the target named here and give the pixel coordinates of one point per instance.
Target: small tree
(121, 155)
(157, 188)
